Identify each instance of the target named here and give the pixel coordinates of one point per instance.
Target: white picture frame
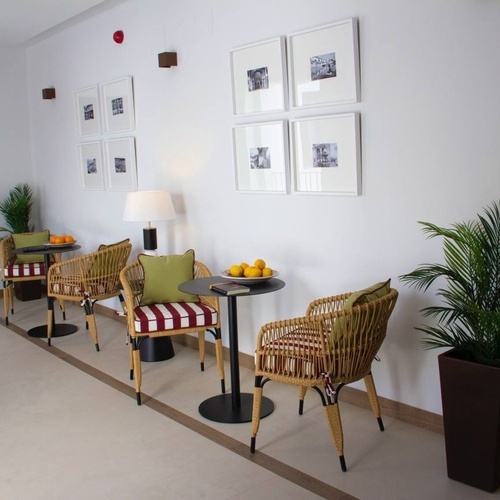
(259, 77)
(117, 99)
(326, 155)
(324, 65)
(261, 157)
(121, 166)
(91, 165)
(88, 112)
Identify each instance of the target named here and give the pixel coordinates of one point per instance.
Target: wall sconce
(49, 93)
(167, 59)
(142, 206)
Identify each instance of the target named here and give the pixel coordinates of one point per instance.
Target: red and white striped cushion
(174, 315)
(25, 270)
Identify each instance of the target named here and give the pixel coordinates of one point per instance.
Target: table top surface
(200, 286)
(41, 249)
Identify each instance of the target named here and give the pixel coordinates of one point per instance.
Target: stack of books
(229, 288)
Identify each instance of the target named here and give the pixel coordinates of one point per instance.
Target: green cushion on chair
(358, 298)
(30, 240)
(163, 275)
(102, 246)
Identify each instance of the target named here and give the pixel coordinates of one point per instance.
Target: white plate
(247, 281)
(59, 245)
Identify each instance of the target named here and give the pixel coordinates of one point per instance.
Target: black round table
(235, 407)
(58, 329)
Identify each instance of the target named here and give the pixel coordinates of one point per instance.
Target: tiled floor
(70, 428)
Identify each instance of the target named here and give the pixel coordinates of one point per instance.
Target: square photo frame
(261, 157)
(87, 111)
(121, 167)
(326, 155)
(118, 105)
(259, 77)
(324, 65)
(91, 165)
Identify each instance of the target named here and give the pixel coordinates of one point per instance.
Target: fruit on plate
(257, 270)
(60, 239)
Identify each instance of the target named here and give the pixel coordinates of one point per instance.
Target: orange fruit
(68, 238)
(260, 264)
(267, 271)
(58, 240)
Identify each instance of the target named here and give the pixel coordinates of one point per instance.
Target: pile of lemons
(258, 270)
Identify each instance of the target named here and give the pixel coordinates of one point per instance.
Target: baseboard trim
(406, 413)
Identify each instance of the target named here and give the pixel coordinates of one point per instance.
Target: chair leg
(62, 305)
(335, 425)
(50, 324)
(6, 302)
(373, 398)
(302, 395)
(90, 319)
(131, 359)
(257, 403)
(201, 350)
(219, 355)
(136, 358)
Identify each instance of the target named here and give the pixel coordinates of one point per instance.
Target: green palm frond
(468, 317)
(17, 209)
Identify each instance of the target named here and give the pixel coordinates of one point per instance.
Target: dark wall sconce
(167, 59)
(49, 93)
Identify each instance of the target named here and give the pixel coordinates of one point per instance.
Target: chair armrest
(202, 271)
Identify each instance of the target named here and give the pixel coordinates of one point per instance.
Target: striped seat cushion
(25, 270)
(173, 315)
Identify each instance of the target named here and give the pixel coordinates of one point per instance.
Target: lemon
(236, 271)
(260, 264)
(253, 272)
(243, 265)
(267, 271)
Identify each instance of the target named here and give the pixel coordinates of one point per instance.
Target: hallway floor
(70, 428)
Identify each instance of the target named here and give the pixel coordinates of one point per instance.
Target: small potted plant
(17, 210)
(467, 320)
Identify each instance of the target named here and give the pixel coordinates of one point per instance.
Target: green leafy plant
(468, 318)
(17, 209)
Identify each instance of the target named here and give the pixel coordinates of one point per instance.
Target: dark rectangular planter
(28, 290)
(470, 393)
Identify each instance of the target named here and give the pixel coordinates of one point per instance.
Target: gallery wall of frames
(310, 70)
(106, 151)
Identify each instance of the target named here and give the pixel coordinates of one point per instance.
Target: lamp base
(149, 235)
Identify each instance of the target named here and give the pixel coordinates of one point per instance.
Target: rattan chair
(197, 317)
(14, 272)
(329, 347)
(87, 279)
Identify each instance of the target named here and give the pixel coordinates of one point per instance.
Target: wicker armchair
(197, 317)
(87, 279)
(13, 271)
(331, 346)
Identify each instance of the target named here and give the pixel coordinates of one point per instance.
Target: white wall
(14, 123)
(430, 79)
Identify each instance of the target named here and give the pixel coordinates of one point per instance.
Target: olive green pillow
(30, 240)
(163, 275)
(99, 265)
(358, 298)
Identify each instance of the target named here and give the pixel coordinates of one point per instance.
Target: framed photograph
(121, 166)
(91, 165)
(324, 65)
(326, 155)
(87, 111)
(259, 77)
(118, 105)
(261, 157)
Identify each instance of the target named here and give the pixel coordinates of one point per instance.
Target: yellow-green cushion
(358, 298)
(30, 240)
(99, 265)
(163, 275)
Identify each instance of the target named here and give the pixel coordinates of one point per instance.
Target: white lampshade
(147, 206)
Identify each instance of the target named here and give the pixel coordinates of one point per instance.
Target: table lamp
(142, 206)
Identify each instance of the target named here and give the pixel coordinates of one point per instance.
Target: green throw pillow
(358, 298)
(30, 240)
(163, 275)
(99, 265)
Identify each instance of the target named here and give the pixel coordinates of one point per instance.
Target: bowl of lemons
(245, 273)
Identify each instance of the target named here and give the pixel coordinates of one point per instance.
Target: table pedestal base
(157, 349)
(59, 330)
(220, 409)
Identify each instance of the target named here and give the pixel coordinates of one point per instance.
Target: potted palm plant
(17, 209)
(467, 320)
